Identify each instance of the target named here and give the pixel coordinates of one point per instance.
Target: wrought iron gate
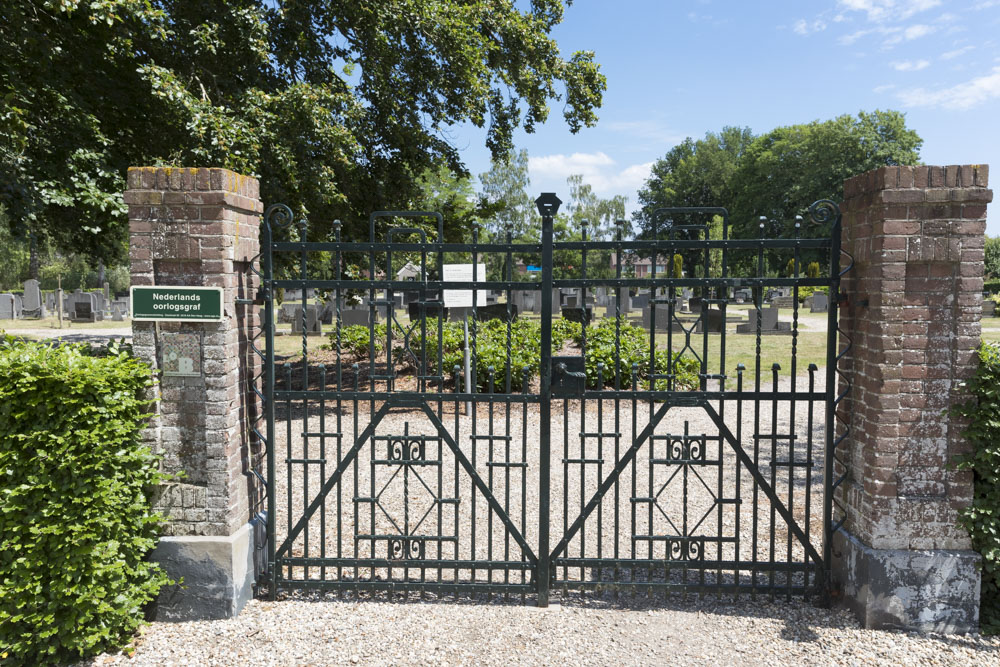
(617, 456)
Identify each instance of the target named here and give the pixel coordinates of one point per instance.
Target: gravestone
(820, 303)
(32, 300)
(713, 320)
(121, 304)
(117, 312)
(496, 311)
(640, 301)
(578, 314)
(84, 312)
(354, 317)
(664, 320)
(6, 306)
(313, 324)
(768, 322)
(556, 302)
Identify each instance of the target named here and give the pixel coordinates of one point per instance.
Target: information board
(462, 273)
(176, 304)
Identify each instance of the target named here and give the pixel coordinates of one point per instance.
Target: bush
(75, 518)
(633, 348)
(806, 291)
(982, 517)
(992, 286)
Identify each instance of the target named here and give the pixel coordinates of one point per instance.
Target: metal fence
(597, 431)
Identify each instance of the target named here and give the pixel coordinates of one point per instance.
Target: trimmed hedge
(75, 519)
(982, 517)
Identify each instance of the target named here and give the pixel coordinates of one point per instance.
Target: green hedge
(524, 350)
(982, 517)
(75, 518)
(992, 286)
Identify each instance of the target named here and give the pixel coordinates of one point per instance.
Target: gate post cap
(548, 204)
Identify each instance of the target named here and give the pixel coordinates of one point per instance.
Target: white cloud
(963, 96)
(803, 27)
(950, 55)
(880, 11)
(885, 88)
(598, 169)
(917, 31)
(910, 65)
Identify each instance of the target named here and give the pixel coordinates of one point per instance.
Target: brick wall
(915, 301)
(200, 227)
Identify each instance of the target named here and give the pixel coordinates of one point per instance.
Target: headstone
(84, 312)
(713, 320)
(768, 322)
(6, 306)
(640, 301)
(355, 317)
(581, 315)
(664, 321)
(33, 306)
(820, 303)
(496, 311)
(556, 305)
(117, 312)
(18, 307)
(431, 309)
(313, 324)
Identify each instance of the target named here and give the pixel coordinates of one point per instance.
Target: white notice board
(462, 273)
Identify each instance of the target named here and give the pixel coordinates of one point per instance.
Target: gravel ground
(685, 494)
(324, 631)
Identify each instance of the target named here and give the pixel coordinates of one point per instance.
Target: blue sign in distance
(534, 268)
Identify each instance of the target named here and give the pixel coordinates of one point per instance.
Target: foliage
(813, 270)
(75, 519)
(678, 266)
(338, 107)
(982, 517)
(992, 257)
(633, 351)
(566, 330)
(991, 286)
(806, 291)
(790, 268)
(356, 340)
(777, 175)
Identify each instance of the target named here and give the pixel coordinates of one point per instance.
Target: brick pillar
(199, 227)
(914, 305)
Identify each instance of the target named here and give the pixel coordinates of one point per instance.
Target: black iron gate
(641, 421)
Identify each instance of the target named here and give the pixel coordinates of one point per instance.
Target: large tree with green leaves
(338, 106)
(778, 174)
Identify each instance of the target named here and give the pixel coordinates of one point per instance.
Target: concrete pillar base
(217, 573)
(923, 590)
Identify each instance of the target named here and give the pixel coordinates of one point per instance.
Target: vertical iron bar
(548, 206)
(832, 349)
(268, 278)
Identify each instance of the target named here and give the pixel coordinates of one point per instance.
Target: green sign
(177, 304)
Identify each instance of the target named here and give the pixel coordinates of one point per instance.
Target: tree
(992, 257)
(337, 106)
(692, 173)
(600, 216)
(505, 188)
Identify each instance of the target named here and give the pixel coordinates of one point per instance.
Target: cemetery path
(99, 336)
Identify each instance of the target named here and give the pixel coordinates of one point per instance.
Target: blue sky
(678, 69)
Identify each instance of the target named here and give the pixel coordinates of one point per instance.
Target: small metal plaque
(180, 354)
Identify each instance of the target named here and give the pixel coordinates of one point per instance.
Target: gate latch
(568, 376)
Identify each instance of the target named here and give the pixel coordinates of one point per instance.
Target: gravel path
(436, 503)
(331, 632)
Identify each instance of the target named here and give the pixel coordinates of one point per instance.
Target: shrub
(982, 517)
(355, 340)
(992, 286)
(75, 518)
(633, 348)
(806, 291)
(812, 270)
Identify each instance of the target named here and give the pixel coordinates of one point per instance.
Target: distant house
(408, 272)
(642, 265)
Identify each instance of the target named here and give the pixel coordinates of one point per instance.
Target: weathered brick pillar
(199, 227)
(914, 305)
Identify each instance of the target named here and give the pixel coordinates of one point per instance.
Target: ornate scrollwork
(405, 449)
(278, 216)
(686, 449)
(685, 548)
(824, 212)
(405, 549)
